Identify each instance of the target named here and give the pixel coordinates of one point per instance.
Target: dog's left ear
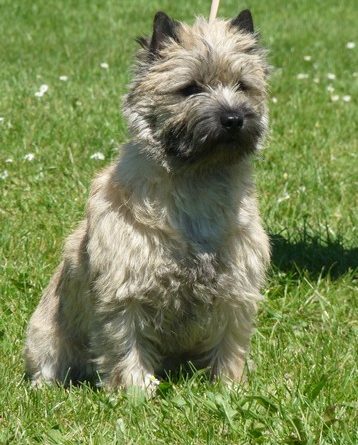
(163, 29)
(244, 21)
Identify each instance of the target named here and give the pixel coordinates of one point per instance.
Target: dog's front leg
(228, 357)
(125, 356)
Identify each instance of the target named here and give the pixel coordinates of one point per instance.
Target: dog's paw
(143, 380)
(39, 381)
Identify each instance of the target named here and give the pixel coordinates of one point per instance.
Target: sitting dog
(168, 264)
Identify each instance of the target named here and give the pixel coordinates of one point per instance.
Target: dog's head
(199, 92)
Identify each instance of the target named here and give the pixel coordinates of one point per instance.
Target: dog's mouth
(225, 139)
(212, 139)
(242, 141)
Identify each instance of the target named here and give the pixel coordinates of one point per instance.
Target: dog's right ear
(163, 28)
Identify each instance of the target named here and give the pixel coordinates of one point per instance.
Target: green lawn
(303, 361)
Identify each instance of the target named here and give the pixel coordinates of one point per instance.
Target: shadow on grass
(314, 255)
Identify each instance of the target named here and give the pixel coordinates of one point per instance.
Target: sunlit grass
(302, 364)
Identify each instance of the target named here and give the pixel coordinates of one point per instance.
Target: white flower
(2, 119)
(104, 65)
(274, 100)
(63, 78)
(98, 156)
(350, 45)
(346, 98)
(285, 197)
(316, 79)
(120, 426)
(301, 76)
(307, 58)
(9, 161)
(331, 76)
(334, 98)
(330, 88)
(154, 380)
(29, 157)
(39, 176)
(4, 174)
(43, 89)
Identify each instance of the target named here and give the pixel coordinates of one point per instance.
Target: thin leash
(213, 10)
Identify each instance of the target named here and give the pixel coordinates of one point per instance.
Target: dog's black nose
(232, 121)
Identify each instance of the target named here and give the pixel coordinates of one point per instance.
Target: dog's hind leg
(56, 347)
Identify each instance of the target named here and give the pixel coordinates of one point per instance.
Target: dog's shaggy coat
(168, 264)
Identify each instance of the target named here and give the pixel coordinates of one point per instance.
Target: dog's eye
(241, 86)
(190, 90)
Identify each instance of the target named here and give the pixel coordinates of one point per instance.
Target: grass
(301, 389)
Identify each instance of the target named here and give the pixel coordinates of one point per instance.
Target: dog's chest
(188, 270)
(184, 305)
(185, 296)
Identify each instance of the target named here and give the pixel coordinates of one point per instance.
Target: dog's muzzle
(232, 121)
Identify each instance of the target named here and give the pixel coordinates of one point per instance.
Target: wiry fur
(168, 264)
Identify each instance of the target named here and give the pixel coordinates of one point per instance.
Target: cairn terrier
(167, 266)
